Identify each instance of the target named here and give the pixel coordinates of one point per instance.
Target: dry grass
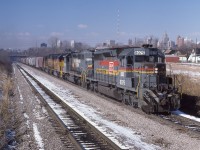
(5, 115)
(5, 63)
(187, 85)
(5, 103)
(189, 89)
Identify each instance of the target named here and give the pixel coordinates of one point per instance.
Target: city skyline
(27, 23)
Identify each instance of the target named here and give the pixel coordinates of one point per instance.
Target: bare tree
(53, 41)
(5, 60)
(66, 44)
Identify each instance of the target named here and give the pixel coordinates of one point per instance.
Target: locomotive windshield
(152, 55)
(141, 59)
(152, 59)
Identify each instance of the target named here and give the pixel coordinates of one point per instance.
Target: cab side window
(129, 60)
(123, 63)
(151, 59)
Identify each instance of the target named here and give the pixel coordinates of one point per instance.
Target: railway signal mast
(196, 51)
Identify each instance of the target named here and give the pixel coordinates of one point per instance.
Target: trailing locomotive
(135, 76)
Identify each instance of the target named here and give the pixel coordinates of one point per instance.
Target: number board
(139, 52)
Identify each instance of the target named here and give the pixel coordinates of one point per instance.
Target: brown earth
(188, 78)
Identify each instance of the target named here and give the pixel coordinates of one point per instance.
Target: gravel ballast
(36, 130)
(160, 133)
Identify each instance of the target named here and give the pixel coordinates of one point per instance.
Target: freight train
(133, 75)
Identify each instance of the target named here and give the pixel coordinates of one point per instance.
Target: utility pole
(196, 51)
(118, 23)
(135, 41)
(36, 48)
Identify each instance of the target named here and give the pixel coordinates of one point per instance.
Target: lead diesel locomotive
(135, 76)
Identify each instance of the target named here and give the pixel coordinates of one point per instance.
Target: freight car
(134, 76)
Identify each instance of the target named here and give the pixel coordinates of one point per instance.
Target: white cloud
(23, 34)
(56, 34)
(82, 26)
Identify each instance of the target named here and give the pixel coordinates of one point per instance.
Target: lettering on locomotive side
(122, 82)
(139, 52)
(111, 67)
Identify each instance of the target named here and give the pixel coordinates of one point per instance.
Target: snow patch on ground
(37, 99)
(37, 115)
(20, 94)
(180, 113)
(37, 136)
(189, 73)
(44, 111)
(14, 69)
(26, 116)
(27, 121)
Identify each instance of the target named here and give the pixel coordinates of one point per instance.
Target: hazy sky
(23, 23)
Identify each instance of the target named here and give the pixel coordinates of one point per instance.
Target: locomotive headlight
(156, 70)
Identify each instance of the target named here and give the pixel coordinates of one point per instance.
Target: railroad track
(183, 122)
(184, 125)
(177, 120)
(75, 131)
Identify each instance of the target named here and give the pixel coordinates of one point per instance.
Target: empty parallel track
(67, 122)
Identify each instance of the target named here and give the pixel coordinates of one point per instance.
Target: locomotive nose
(173, 102)
(160, 68)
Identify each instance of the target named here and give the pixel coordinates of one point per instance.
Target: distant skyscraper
(72, 43)
(149, 40)
(58, 44)
(78, 45)
(111, 42)
(171, 45)
(179, 41)
(154, 42)
(43, 45)
(165, 41)
(130, 42)
(163, 44)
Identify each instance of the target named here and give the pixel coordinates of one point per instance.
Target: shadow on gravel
(190, 104)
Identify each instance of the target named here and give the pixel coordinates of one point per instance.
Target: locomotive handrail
(153, 96)
(138, 86)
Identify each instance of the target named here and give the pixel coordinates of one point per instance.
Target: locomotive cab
(155, 88)
(135, 76)
(143, 71)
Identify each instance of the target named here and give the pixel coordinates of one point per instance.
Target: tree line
(5, 62)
